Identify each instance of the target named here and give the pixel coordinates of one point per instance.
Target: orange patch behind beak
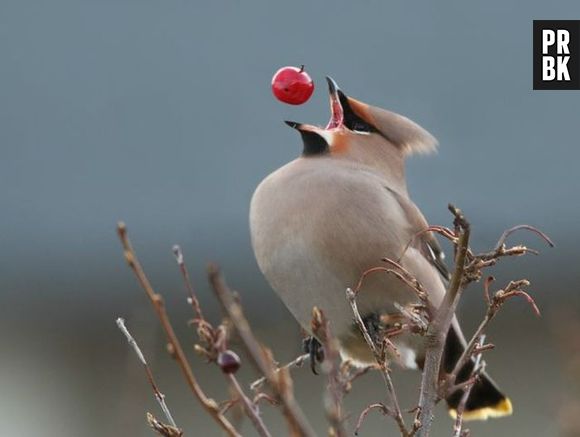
(340, 144)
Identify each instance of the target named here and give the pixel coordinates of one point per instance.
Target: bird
(321, 220)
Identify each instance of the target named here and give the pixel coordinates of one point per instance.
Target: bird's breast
(316, 229)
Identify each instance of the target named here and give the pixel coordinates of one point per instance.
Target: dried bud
(229, 361)
(171, 350)
(200, 350)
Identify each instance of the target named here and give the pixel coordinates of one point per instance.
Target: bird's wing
(434, 253)
(425, 242)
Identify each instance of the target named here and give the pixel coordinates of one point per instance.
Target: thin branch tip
(160, 397)
(530, 228)
(177, 253)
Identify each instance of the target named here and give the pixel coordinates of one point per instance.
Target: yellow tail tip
(501, 409)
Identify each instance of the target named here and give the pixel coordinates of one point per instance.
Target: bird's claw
(312, 347)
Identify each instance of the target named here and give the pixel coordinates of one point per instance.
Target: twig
(385, 372)
(335, 389)
(215, 339)
(249, 406)
(209, 336)
(418, 323)
(266, 398)
(163, 429)
(378, 406)
(423, 318)
(193, 300)
(401, 275)
(476, 264)
(510, 231)
(298, 362)
(174, 345)
(278, 381)
(158, 395)
(457, 427)
(439, 327)
(442, 230)
(468, 351)
(351, 376)
(227, 404)
(494, 305)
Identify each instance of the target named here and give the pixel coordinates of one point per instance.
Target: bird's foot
(312, 347)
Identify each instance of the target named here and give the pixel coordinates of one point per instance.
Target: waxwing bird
(320, 221)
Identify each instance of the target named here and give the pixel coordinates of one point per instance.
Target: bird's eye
(351, 120)
(360, 126)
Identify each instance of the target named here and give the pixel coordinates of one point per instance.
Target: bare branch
(215, 339)
(441, 230)
(298, 362)
(349, 376)
(419, 318)
(158, 395)
(163, 429)
(193, 300)
(174, 346)
(405, 276)
(494, 305)
(402, 275)
(278, 381)
(266, 398)
(437, 331)
(334, 390)
(378, 406)
(510, 231)
(477, 369)
(385, 372)
(249, 407)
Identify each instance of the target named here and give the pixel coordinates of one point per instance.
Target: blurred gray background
(160, 113)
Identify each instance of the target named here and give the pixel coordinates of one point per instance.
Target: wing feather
(425, 242)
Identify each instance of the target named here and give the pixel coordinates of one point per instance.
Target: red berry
(292, 85)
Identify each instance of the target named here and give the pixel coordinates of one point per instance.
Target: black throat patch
(314, 144)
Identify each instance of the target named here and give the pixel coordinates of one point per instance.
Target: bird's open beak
(308, 128)
(303, 126)
(336, 111)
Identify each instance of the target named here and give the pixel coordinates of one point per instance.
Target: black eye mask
(352, 121)
(314, 144)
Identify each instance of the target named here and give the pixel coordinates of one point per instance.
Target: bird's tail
(485, 400)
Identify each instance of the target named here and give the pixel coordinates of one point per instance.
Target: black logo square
(557, 54)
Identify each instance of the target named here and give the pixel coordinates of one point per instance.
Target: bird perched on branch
(320, 221)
